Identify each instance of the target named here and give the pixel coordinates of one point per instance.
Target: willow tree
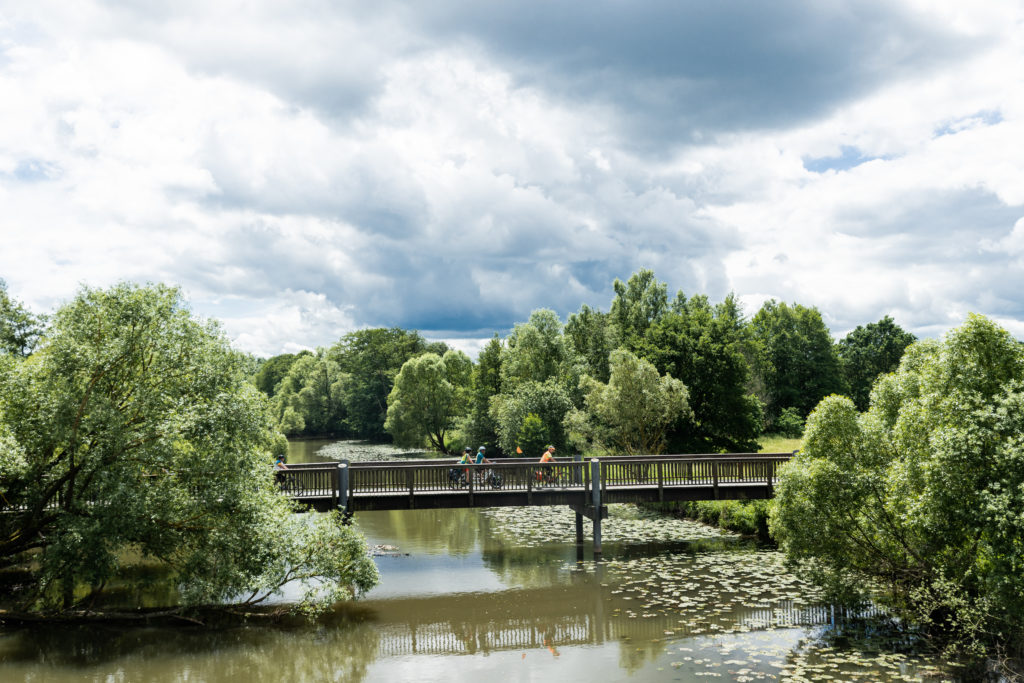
(132, 431)
(632, 412)
(430, 392)
(922, 495)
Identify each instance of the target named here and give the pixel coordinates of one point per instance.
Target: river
(471, 595)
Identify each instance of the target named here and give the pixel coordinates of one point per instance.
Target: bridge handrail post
(714, 477)
(596, 483)
(661, 482)
(412, 492)
(529, 485)
(341, 481)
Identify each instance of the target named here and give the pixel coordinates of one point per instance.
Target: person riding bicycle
(481, 475)
(461, 475)
(546, 458)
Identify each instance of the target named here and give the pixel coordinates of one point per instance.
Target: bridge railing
(324, 480)
(418, 477)
(711, 471)
(319, 480)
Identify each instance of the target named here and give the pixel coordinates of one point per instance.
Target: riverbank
(465, 593)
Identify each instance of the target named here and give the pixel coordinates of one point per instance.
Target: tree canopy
(310, 398)
(20, 329)
(704, 347)
(632, 412)
(923, 494)
(638, 303)
(430, 392)
(371, 359)
(798, 362)
(743, 376)
(133, 427)
(869, 351)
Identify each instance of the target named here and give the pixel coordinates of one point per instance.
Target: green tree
(632, 412)
(371, 359)
(705, 347)
(273, 370)
(430, 393)
(291, 422)
(20, 329)
(638, 303)
(869, 351)
(922, 495)
(533, 436)
(536, 351)
(799, 363)
(479, 427)
(310, 398)
(548, 400)
(133, 427)
(591, 338)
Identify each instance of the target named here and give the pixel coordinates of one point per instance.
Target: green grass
(773, 443)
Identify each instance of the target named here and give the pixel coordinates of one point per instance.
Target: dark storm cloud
(676, 70)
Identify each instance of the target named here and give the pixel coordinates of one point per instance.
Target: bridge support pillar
(596, 514)
(595, 483)
(341, 483)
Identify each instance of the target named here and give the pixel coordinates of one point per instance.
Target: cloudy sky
(306, 168)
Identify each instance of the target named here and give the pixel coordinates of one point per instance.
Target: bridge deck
(417, 484)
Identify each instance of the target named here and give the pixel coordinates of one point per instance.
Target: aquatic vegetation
(625, 524)
(368, 451)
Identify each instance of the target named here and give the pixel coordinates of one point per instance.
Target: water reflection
(465, 594)
(100, 653)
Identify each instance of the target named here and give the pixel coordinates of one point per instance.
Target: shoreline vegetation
(909, 475)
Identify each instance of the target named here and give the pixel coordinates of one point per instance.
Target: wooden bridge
(587, 487)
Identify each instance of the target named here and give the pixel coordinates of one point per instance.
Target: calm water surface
(469, 595)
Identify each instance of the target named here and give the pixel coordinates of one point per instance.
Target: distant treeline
(573, 384)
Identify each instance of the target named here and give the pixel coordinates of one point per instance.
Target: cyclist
(546, 458)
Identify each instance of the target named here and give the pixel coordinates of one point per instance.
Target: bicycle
(552, 477)
(457, 478)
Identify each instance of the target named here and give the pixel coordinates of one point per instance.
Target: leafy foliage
(591, 337)
(430, 392)
(869, 351)
(479, 427)
(310, 399)
(273, 370)
(790, 424)
(547, 400)
(705, 346)
(20, 329)
(536, 351)
(533, 436)
(799, 364)
(632, 412)
(133, 427)
(923, 495)
(372, 359)
(638, 303)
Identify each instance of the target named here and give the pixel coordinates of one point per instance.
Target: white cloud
(305, 172)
